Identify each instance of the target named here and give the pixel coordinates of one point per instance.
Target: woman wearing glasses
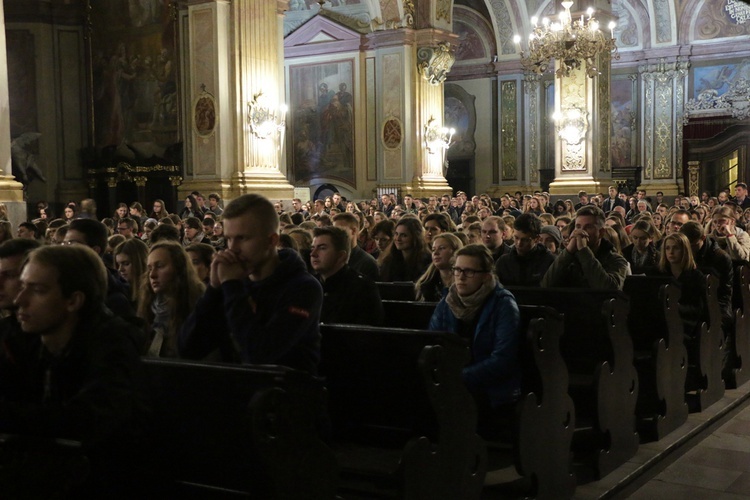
(480, 310)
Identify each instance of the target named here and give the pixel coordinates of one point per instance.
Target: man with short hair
(27, 230)
(359, 260)
(260, 301)
(73, 370)
(741, 198)
(613, 201)
(12, 254)
(492, 236)
(348, 296)
(337, 202)
(583, 200)
(214, 206)
(386, 205)
(93, 234)
(588, 261)
(678, 219)
(127, 227)
(641, 194)
(319, 207)
(201, 255)
(297, 206)
(659, 197)
(528, 260)
(409, 206)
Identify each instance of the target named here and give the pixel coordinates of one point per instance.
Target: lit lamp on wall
(262, 120)
(437, 139)
(568, 41)
(571, 124)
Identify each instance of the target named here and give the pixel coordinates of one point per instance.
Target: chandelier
(568, 41)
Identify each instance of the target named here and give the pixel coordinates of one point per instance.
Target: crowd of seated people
(251, 282)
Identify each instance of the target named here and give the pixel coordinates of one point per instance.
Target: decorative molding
(321, 35)
(734, 102)
(434, 63)
(531, 87)
(509, 130)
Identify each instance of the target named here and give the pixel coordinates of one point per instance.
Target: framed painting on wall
(134, 65)
(322, 115)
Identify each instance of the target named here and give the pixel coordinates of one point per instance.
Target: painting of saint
(136, 102)
(719, 78)
(322, 139)
(622, 123)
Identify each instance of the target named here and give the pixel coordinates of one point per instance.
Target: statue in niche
(25, 166)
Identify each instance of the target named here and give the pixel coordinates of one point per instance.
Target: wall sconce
(437, 139)
(263, 121)
(572, 124)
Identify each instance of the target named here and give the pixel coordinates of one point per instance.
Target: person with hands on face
(729, 237)
(588, 260)
(261, 306)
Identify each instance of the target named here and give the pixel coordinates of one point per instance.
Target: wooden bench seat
(225, 430)
(596, 345)
(403, 423)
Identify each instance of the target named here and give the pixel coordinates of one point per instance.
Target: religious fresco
(717, 79)
(314, 4)
(723, 19)
(134, 68)
(621, 95)
(322, 114)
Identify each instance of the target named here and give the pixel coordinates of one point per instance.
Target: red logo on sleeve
(299, 312)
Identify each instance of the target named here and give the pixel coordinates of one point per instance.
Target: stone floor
(707, 457)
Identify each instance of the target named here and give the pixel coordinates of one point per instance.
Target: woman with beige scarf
(480, 310)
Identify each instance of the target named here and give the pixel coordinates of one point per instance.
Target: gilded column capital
(435, 62)
(140, 181)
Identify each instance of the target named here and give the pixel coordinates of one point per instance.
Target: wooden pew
(546, 415)
(226, 430)
(408, 314)
(403, 423)
(707, 368)
(397, 290)
(740, 373)
(661, 358)
(604, 384)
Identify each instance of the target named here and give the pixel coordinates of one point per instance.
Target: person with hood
(261, 304)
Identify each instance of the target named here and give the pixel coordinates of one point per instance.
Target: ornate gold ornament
(434, 63)
(568, 41)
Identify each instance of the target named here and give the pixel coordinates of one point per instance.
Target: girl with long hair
(130, 261)
(160, 210)
(191, 208)
(408, 257)
(167, 295)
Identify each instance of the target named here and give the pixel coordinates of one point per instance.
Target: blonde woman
(434, 283)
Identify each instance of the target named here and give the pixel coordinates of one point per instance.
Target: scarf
(197, 239)
(160, 308)
(466, 308)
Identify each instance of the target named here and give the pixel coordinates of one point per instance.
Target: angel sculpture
(23, 160)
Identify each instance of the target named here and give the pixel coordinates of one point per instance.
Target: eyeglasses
(73, 242)
(469, 273)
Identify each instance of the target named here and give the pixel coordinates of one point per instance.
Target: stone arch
(633, 30)
(663, 25)
(477, 42)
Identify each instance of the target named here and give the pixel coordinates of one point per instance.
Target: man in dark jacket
(359, 260)
(261, 300)
(348, 296)
(493, 228)
(528, 259)
(84, 380)
(588, 260)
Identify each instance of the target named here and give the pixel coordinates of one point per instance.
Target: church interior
(133, 100)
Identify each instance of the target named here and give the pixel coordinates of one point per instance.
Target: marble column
(11, 191)
(582, 159)
(663, 88)
(235, 59)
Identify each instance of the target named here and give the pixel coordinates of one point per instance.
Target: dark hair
(164, 232)
(132, 224)
(79, 269)
(215, 196)
(193, 223)
(349, 219)
(692, 230)
(442, 219)
(339, 238)
(592, 210)
(17, 246)
(205, 252)
(528, 223)
(95, 232)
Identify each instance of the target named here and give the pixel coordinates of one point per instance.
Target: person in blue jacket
(480, 310)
